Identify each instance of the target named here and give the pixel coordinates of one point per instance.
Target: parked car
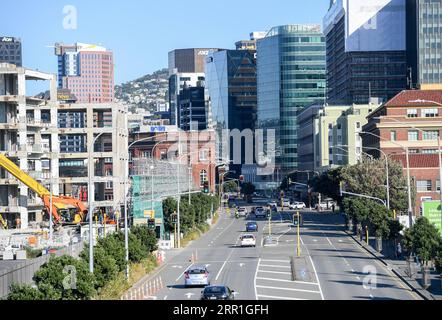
(248, 240)
(286, 202)
(260, 212)
(322, 205)
(197, 276)
(273, 204)
(217, 293)
(251, 227)
(297, 205)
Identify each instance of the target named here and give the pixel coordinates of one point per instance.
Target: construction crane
(65, 210)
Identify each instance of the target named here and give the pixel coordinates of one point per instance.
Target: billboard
(432, 211)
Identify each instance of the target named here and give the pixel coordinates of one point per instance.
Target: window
(393, 135)
(412, 113)
(430, 113)
(203, 155)
(413, 135)
(358, 125)
(429, 151)
(431, 135)
(438, 185)
(423, 185)
(203, 177)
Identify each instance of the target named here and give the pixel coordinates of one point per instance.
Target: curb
(419, 290)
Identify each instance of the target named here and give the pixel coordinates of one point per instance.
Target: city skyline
(134, 57)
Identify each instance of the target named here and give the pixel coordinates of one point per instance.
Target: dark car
(217, 293)
(251, 227)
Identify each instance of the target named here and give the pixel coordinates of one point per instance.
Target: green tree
(169, 207)
(65, 278)
(105, 267)
(439, 256)
(24, 293)
(423, 239)
(230, 186)
(328, 183)
(114, 246)
(147, 237)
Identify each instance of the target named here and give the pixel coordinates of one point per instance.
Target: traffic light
(151, 223)
(206, 187)
(174, 218)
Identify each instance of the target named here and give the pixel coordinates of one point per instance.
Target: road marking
(182, 273)
(330, 242)
(371, 296)
(314, 269)
(315, 240)
(357, 277)
(269, 260)
(242, 265)
(254, 280)
(189, 295)
(225, 262)
(275, 266)
(279, 298)
(288, 289)
(276, 272)
(165, 298)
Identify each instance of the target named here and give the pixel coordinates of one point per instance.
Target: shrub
(146, 236)
(114, 246)
(105, 267)
(56, 282)
(24, 292)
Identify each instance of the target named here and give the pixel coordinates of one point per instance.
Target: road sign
(432, 211)
(149, 214)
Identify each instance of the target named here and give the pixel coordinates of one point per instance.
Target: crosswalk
(273, 281)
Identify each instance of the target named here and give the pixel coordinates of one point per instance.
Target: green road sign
(432, 211)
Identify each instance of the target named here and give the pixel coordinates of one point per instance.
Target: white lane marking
(189, 295)
(330, 242)
(357, 277)
(288, 289)
(182, 273)
(225, 262)
(241, 265)
(284, 234)
(371, 296)
(286, 261)
(275, 272)
(274, 266)
(254, 280)
(315, 240)
(165, 298)
(272, 279)
(279, 298)
(314, 269)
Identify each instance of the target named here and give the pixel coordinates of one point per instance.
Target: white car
(297, 205)
(273, 204)
(248, 240)
(242, 211)
(260, 212)
(322, 205)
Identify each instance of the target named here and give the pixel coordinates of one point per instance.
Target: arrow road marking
(189, 295)
(241, 265)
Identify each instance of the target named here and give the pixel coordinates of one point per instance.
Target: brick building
(412, 119)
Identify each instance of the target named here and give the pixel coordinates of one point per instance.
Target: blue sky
(141, 33)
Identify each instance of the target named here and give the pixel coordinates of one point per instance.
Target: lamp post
(90, 196)
(410, 205)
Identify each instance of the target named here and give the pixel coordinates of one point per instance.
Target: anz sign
(7, 39)
(158, 129)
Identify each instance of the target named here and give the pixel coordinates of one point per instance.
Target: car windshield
(248, 237)
(251, 224)
(215, 290)
(197, 271)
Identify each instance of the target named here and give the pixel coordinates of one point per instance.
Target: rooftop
(416, 98)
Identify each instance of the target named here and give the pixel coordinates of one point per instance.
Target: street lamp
(410, 206)
(90, 196)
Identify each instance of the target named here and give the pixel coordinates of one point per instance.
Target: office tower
(365, 50)
(10, 50)
(192, 107)
(424, 43)
(232, 93)
(250, 44)
(87, 71)
(186, 67)
(290, 76)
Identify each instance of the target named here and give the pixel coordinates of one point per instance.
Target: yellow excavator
(65, 210)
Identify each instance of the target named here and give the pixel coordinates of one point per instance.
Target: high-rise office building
(186, 68)
(10, 50)
(87, 71)
(251, 43)
(424, 43)
(192, 109)
(290, 76)
(232, 93)
(365, 50)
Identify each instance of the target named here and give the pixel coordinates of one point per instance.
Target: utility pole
(298, 247)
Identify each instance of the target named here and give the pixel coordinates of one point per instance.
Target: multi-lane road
(332, 266)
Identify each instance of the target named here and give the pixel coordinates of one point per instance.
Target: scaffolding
(152, 181)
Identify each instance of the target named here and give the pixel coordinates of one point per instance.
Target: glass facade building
(424, 42)
(291, 71)
(232, 91)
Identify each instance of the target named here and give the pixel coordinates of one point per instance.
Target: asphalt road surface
(331, 265)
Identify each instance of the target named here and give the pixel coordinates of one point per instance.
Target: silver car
(197, 276)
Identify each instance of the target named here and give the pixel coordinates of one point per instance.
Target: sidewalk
(400, 268)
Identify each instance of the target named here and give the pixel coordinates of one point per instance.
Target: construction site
(46, 153)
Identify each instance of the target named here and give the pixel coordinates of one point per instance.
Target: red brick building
(413, 120)
(161, 143)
